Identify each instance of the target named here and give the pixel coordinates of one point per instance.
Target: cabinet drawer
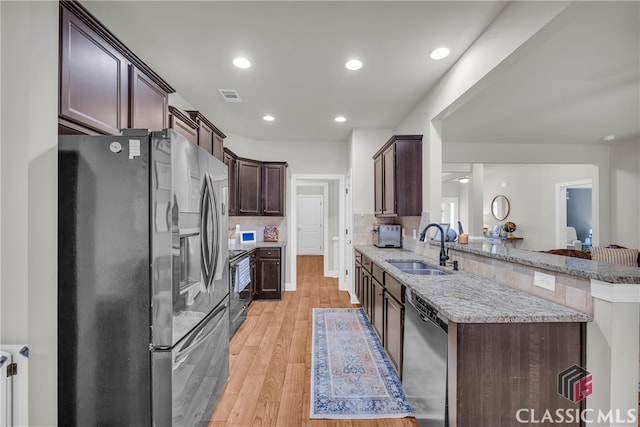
(378, 273)
(395, 288)
(269, 253)
(366, 263)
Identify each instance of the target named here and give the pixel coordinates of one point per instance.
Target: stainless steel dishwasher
(424, 373)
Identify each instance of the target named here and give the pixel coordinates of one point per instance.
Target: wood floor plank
(270, 380)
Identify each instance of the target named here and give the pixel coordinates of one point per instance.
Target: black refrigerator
(143, 280)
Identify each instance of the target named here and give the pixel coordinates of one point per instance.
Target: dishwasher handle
(427, 312)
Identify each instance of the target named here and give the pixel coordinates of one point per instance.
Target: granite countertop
(579, 267)
(466, 298)
(252, 246)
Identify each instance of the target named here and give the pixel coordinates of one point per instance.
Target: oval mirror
(500, 207)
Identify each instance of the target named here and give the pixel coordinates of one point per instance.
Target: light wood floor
(269, 382)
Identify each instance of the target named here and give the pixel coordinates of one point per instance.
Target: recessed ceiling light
(353, 64)
(340, 119)
(440, 53)
(241, 62)
(608, 138)
(268, 118)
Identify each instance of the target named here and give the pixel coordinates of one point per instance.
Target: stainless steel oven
(240, 288)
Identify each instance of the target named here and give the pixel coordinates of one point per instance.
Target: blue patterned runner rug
(351, 377)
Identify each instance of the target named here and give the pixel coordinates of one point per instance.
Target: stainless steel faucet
(443, 255)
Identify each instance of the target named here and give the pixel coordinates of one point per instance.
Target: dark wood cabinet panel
(269, 272)
(273, 189)
(377, 308)
(398, 177)
(205, 137)
(389, 181)
(218, 145)
(230, 160)
(103, 86)
(487, 384)
(249, 187)
(149, 102)
(182, 123)
(377, 184)
(209, 137)
(93, 78)
(393, 331)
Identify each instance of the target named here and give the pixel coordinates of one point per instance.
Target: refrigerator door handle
(198, 340)
(205, 245)
(215, 220)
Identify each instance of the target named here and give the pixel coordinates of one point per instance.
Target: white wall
(531, 190)
(364, 143)
(515, 25)
(28, 280)
(625, 193)
(306, 157)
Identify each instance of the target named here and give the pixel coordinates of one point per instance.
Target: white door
(310, 225)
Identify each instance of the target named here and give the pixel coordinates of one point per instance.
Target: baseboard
(332, 273)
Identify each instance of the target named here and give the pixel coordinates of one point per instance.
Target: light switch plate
(545, 281)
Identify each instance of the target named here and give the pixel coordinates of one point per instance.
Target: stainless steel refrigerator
(143, 280)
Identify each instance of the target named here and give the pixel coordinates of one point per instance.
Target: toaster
(387, 236)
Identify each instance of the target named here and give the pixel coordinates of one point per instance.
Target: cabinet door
(378, 184)
(231, 163)
(269, 273)
(273, 189)
(149, 102)
(365, 283)
(93, 78)
(205, 137)
(218, 148)
(357, 282)
(377, 306)
(393, 331)
(249, 187)
(389, 181)
(183, 128)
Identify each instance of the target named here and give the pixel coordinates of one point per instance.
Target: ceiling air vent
(230, 95)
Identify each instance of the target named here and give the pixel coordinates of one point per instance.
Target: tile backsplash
(257, 223)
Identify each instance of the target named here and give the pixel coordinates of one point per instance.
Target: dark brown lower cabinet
(269, 273)
(497, 369)
(393, 334)
(377, 308)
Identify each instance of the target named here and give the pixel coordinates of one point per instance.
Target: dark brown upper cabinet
(398, 177)
(182, 123)
(103, 86)
(249, 187)
(256, 188)
(231, 161)
(273, 188)
(94, 79)
(149, 102)
(209, 137)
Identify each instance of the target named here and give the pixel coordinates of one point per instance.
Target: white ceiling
(558, 87)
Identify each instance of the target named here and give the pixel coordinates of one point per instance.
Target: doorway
(570, 214)
(311, 222)
(334, 224)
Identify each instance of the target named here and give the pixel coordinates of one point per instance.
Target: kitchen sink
(425, 272)
(410, 265)
(416, 267)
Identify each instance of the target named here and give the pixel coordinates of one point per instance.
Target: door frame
(315, 179)
(561, 210)
(325, 218)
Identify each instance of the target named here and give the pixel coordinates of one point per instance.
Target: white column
(612, 351)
